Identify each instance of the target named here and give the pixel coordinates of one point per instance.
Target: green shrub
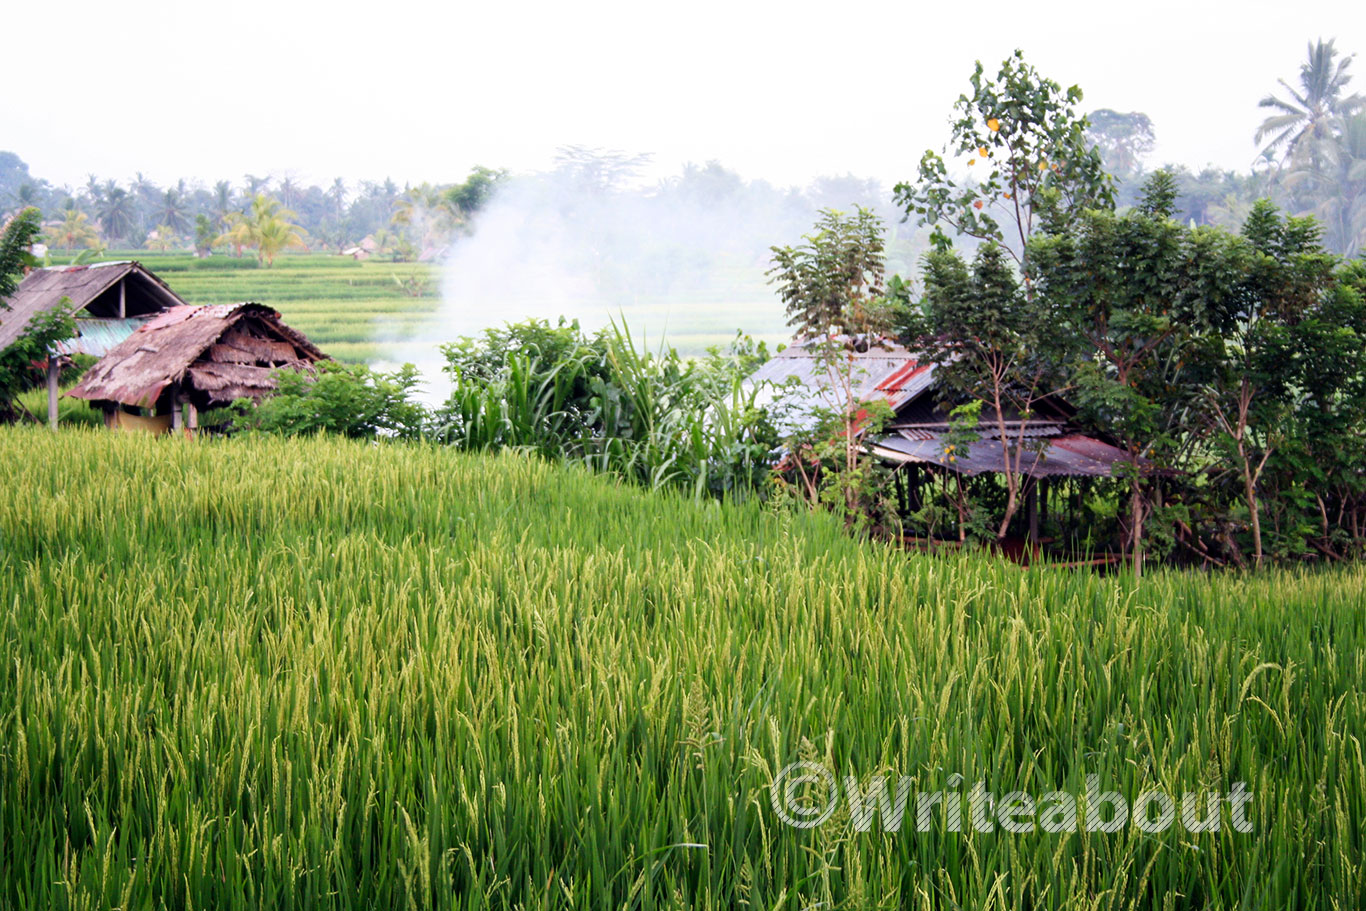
(350, 400)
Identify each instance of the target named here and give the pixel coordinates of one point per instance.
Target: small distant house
(193, 358)
(108, 301)
(915, 440)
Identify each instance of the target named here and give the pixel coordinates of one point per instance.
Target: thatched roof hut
(203, 356)
(109, 301)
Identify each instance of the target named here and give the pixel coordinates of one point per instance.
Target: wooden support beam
(176, 408)
(193, 415)
(123, 307)
(54, 372)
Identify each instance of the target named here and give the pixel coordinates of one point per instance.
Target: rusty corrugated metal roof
(891, 372)
(1071, 454)
(884, 370)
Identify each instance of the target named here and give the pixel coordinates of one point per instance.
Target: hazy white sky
(780, 90)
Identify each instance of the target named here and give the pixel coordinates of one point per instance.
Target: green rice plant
(318, 673)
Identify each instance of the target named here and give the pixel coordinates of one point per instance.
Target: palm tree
(222, 201)
(146, 198)
(385, 242)
(26, 197)
(268, 227)
(116, 212)
(144, 187)
(74, 230)
(238, 233)
(1315, 111)
(1335, 185)
(337, 195)
(423, 212)
(172, 211)
(288, 191)
(276, 234)
(92, 194)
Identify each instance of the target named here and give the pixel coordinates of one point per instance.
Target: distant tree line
(401, 222)
(409, 222)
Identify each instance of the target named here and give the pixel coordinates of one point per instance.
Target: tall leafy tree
(1118, 284)
(832, 285)
(992, 344)
(467, 198)
(1123, 139)
(15, 241)
(1027, 156)
(1319, 462)
(832, 282)
(1249, 398)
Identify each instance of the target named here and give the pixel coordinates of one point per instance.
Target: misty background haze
(776, 91)
(682, 260)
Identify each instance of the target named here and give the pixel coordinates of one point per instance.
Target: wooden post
(53, 374)
(193, 415)
(175, 408)
(123, 309)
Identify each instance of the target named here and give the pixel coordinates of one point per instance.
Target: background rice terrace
(318, 674)
(353, 310)
(384, 312)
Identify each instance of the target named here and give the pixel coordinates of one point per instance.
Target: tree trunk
(1255, 513)
(1136, 514)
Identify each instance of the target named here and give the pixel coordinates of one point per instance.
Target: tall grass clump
(318, 673)
(607, 402)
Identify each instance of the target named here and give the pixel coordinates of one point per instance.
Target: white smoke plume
(682, 261)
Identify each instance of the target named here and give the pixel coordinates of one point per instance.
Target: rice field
(366, 311)
(268, 673)
(354, 310)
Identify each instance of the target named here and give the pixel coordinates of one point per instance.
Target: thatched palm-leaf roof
(213, 354)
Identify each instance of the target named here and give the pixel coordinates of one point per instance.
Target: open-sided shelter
(1047, 444)
(108, 301)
